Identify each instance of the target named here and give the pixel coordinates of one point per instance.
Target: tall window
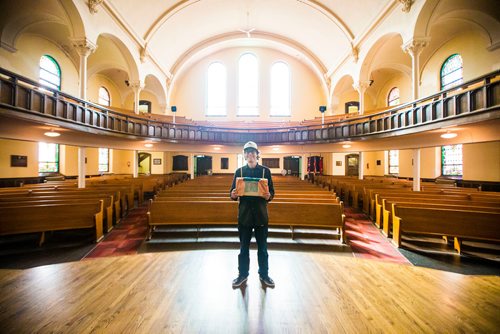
(48, 157)
(104, 97)
(103, 160)
(248, 86)
(394, 162)
(280, 89)
(452, 72)
(451, 158)
(393, 97)
(50, 72)
(216, 90)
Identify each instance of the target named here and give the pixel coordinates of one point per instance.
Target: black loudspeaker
(322, 108)
(173, 108)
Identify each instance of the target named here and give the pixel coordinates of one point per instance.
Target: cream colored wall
(338, 170)
(339, 109)
(481, 162)
(15, 147)
(157, 169)
(92, 165)
(68, 160)
(122, 162)
(430, 163)
(476, 58)
(26, 61)
(370, 163)
(402, 82)
(95, 82)
(189, 92)
(145, 95)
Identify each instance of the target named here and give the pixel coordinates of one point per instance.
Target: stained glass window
(394, 162)
(451, 158)
(248, 86)
(48, 157)
(216, 90)
(50, 72)
(104, 97)
(452, 72)
(393, 97)
(280, 89)
(103, 160)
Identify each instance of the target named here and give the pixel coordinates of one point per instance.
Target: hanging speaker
(173, 108)
(322, 108)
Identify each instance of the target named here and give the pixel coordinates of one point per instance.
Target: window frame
(101, 99)
(103, 164)
(44, 82)
(461, 69)
(391, 165)
(444, 165)
(257, 97)
(389, 100)
(47, 162)
(289, 84)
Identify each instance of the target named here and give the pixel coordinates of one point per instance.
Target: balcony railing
(480, 96)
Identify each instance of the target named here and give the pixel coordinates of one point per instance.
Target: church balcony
(475, 101)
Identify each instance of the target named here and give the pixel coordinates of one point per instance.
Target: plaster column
(84, 48)
(136, 86)
(135, 164)
(416, 169)
(361, 87)
(361, 166)
(303, 167)
(81, 167)
(414, 47)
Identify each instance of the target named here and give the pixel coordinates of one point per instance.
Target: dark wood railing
(473, 101)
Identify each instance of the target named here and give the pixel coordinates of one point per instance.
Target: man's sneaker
(238, 281)
(267, 281)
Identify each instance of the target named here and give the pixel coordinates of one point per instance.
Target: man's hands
(267, 196)
(234, 195)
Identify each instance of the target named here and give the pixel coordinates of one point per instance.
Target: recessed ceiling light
(148, 145)
(448, 135)
(52, 133)
(217, 148)
(346, 146)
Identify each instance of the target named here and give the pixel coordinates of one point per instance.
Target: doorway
(292, 165)
(203, 165)
(144, 163)
(352, 165)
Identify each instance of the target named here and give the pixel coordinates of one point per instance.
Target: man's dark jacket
(252, 210)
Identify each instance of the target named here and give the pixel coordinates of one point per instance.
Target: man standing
(252, 216)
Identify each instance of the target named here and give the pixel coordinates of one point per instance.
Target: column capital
(83, 46)
(355, 53)
(414, 46)
(406, 5)
(136, 85)
(93, 5)
(361, 86)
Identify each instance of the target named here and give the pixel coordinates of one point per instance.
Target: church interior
(122, 124)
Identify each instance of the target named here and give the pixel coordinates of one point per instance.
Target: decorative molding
(355, 53)
(361, 86)
(144, 53)
(414, 46)
(406, 5)
(83, 46)
(93, 5)
(136, 85)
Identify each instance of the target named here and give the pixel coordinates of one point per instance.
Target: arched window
(394, 162)
(104, 97)
(50, 72)
(452, 72)
(103, 159)
(216, 90)
(248, 86)
(48, 158)
(393, 97)
(451, 156)
(280, 89)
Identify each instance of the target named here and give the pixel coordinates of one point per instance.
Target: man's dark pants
(244, 256)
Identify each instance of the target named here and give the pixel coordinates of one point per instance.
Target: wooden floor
(190, 292)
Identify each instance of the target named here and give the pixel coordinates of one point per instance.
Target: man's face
(251, 155)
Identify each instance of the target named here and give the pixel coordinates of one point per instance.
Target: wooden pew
(461, 224)
(328, 215)
(52, 217)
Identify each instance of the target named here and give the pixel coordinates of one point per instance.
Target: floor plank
(190, 291)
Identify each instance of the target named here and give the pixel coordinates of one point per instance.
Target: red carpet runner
(126, 237)
(365, 239)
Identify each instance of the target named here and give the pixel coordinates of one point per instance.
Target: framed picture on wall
(338, 163)
(18, 161)
(157, 161)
